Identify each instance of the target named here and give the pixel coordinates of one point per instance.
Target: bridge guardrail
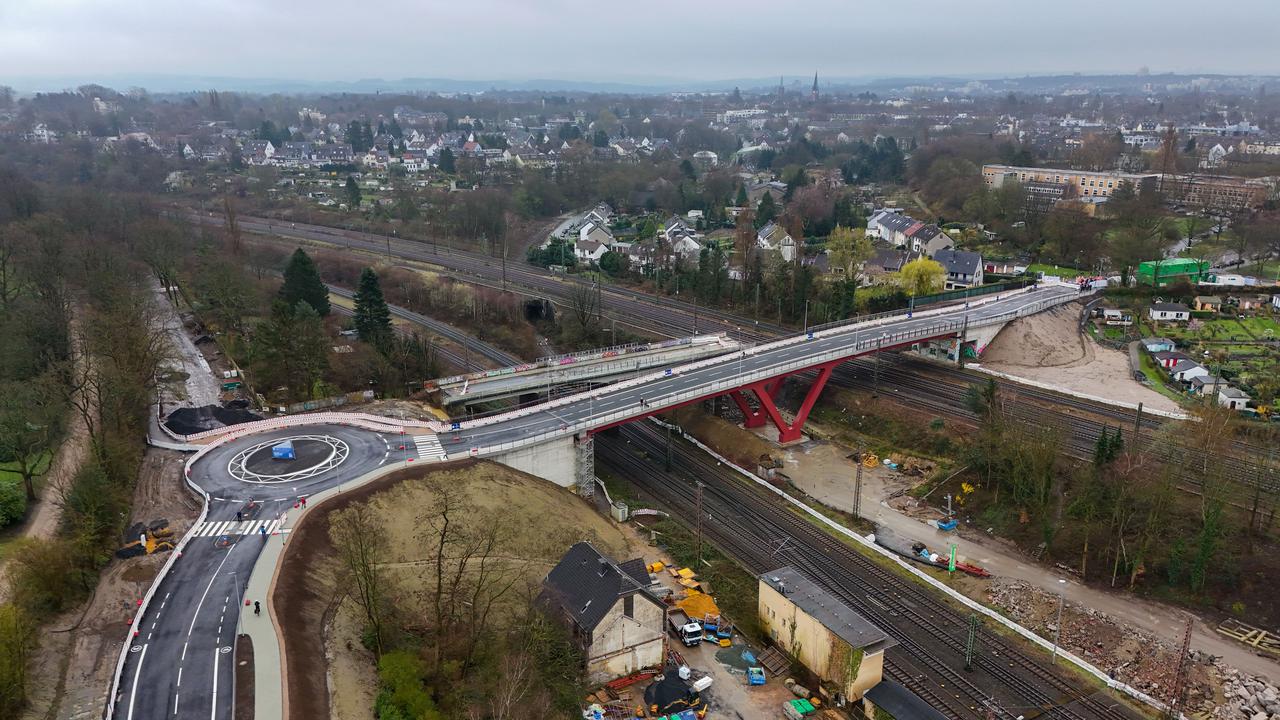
(784, 342)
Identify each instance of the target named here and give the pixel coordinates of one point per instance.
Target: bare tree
(361, 543)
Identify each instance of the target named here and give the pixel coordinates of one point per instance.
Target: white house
(1185, 370)
(1174, 312)
(1233, 398)
(595, 232)
(589, 250)
(774, 237)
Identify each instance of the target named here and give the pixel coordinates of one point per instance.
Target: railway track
(922, 384)
(749, 525)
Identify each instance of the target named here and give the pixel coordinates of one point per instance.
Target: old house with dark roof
(964, 269)
(612, 615)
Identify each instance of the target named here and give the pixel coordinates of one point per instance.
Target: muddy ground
(72, 668)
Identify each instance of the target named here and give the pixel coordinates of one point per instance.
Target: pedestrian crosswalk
(217, 528)
(429, 447)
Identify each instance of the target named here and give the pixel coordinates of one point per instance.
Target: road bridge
(553, 439)
(583, 369)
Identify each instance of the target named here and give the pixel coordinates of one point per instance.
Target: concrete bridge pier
(569, 462)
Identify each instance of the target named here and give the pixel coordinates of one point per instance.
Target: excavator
(148, 539)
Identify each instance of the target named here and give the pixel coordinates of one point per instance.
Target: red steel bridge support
(766, 392)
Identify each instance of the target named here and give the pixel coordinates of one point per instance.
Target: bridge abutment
(569, 462)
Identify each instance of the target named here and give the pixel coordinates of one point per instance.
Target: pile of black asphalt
(188, 421)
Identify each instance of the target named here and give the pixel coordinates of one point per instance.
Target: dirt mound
(188, 421)
(1049, 339)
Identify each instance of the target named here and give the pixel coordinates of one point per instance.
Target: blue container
(283, 451)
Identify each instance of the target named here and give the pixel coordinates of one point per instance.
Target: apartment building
(1075, 183)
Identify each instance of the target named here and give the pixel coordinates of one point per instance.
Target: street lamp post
(239, 602)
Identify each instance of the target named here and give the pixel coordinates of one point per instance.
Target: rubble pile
(1245, 696)
(1144, 661)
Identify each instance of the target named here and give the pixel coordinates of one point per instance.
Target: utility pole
(1179, 695)
(971, 643)
(1137, 425)
(700, 485)
(1057, 627)
(857, 488)
(504, 264)
(669, 447)
(875, 392)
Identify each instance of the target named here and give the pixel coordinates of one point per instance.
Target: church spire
(814, 94)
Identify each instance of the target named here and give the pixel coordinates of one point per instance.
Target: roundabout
(315, 454)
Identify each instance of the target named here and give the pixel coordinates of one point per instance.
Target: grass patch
(1156, 376)
(1056, 270)
(9, 470)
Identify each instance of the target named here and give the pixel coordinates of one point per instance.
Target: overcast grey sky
(320, 40)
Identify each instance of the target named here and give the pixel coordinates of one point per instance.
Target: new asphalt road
(180, 662)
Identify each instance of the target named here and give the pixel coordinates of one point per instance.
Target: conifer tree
(302, 283)
(372, 317)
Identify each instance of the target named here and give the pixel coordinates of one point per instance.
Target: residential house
(595, 232)
(617, 622)
(773, 237)
(1208, 303)
(1233, 398)
(687, 247)
(1157, 344)
(257, 152)
(1168, 358)
(1206, 384)
(1275, 301)
(885, 262)
(1173, 312)
(964, 269)
(831, 639)
(589, 251)
(1115, 316)
(332, 154)
(1186, 370)
(929, 239)
(675, 229)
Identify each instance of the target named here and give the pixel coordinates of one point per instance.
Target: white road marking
(213, 714)
(429, 447)
(175, 704)
(133, 694)
(184, 651)
(179, 683)
(205, 594)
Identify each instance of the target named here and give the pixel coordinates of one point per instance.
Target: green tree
(302, 283)
(767, 210)
(292, 349)
(372, 317)
(17, 641)
(849, 249)
(922, 276)
(614, 263)
(353, 193)
(741, 200)
(447, 162)
(31, 413)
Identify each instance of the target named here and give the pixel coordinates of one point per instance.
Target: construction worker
(239, 515)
